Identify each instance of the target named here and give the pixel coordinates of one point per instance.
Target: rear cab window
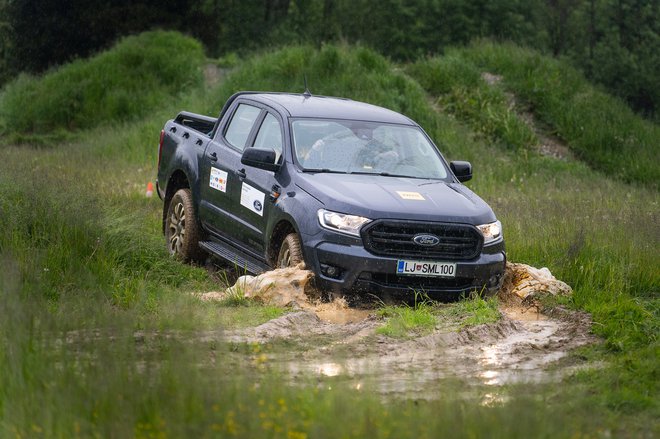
(241, 124)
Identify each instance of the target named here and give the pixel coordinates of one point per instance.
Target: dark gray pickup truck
(357, 192)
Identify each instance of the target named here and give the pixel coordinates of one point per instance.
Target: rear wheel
(290, 253)
(182, 230)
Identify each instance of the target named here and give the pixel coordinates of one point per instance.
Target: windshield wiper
(384, 174)
(433, 182)
(322, 170)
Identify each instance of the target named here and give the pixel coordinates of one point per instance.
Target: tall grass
(457, 85)
(58, 383)
(601, 129)
(126, 82)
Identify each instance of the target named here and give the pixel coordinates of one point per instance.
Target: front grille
(395, 238)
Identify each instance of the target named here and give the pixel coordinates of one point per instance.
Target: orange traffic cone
(150, 190)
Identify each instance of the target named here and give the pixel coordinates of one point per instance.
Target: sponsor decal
(218, 179)
(252, 199)
(411, 195)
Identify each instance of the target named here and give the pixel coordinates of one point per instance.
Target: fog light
(330, 271)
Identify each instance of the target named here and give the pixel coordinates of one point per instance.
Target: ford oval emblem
(426, 240)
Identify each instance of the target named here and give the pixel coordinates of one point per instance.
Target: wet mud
(336, 340)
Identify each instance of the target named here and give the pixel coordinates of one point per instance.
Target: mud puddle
(508, 352)
(339, 342)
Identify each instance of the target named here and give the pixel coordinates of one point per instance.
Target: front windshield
(349, 146)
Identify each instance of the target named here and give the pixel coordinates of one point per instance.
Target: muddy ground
(524, 346)
(334, 340)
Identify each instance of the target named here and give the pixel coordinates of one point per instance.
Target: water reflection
(330, 369)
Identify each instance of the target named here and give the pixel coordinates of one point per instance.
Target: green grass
(81, 250)
(601, 129)
(121, 84)
(457, 86)
(405, 320)
(470, 312)
(424, 315)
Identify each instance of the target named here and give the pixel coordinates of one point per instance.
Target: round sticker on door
(257, 206)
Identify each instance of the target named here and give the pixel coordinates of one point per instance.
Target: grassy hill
(124, 83)
(600, 129)
(81, 248)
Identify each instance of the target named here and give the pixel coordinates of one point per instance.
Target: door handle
(213, 156)
(241, 174)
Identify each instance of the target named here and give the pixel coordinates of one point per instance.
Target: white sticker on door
(253, 199)
(218, 179)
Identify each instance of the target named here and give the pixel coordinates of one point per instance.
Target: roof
(298, 105)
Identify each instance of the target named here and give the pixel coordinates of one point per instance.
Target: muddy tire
(182, 231)
(290, 253)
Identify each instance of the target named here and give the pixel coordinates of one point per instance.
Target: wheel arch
(178, 180)
(283, 227)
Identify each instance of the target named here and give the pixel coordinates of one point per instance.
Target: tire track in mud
(520, 348)
(333, 340)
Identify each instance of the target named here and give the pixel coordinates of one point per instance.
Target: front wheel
(181, 227)
(290, 253)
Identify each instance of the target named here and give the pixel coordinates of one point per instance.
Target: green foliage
(405, 320)
(6, 68)
(130, 80)
(616, 43)
(601, 129)
(65, 242)
(333, 70)
(461, 91)
(471, 312)
(424, 315)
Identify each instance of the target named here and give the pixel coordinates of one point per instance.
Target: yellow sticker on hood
(410, 195)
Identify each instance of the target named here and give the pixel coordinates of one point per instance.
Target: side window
(241, 124)
(270, 135)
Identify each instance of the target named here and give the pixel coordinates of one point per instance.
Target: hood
(380, 197)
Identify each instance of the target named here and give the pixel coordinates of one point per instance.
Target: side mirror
(462, 170)
(260, 158)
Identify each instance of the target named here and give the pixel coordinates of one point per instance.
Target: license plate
(425, 268)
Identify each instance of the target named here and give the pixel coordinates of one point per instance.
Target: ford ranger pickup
(358, 193)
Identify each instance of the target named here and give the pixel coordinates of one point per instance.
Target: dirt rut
(335, 340)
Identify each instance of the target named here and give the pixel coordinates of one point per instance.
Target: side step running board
(241, 261)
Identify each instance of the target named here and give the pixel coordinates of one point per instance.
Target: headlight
(339, 222)
(491, 232)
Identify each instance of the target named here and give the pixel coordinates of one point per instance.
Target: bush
(123, 83)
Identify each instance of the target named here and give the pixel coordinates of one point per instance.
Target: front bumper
(346, 267)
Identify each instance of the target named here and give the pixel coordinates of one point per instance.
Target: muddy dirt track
(335, 340)
(522, 347)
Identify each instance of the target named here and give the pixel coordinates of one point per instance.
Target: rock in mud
(528, 283)
(281, 287)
